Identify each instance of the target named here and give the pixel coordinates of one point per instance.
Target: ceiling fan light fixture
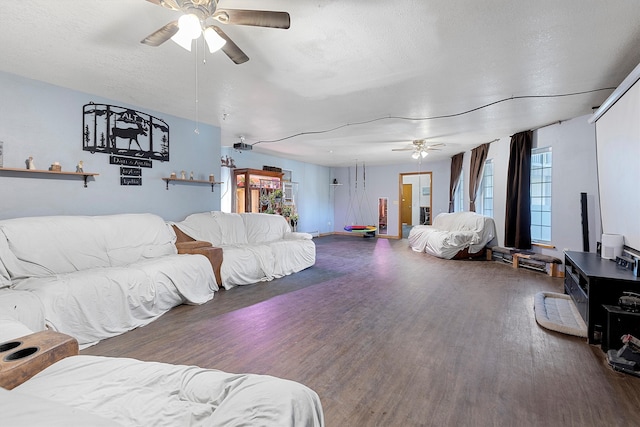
(183, 40)
(415, 155)
(424, 153)
(213, 39)
(190, 25)
(189, 29)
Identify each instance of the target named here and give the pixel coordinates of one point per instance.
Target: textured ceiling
(350, 79)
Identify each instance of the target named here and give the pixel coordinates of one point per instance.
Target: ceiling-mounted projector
(241, 146)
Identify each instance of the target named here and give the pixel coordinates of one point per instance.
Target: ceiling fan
(200, 16)
(420, 148)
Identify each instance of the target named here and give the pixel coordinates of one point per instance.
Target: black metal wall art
(130, 137)
(122, 131)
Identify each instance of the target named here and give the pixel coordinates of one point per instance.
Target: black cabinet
(591, 282)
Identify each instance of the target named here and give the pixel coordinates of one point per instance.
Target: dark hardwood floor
(390, 337)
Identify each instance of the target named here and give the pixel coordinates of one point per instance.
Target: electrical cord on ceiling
(444, 116)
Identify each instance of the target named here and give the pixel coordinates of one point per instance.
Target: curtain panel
(478, 157)
(517, 225)
(456, 170)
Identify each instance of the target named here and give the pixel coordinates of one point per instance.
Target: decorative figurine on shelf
(80, 167)
(183, 175)
(191, 176)
(30, 164)
(55, 167)
(173, 175)
(227, 162)
(212, 178)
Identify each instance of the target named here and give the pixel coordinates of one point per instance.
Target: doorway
(416, 201)
(406, 197)
(383, 204)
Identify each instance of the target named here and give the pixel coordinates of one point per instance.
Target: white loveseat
(256, 247)
(94, 277)
(454, 235)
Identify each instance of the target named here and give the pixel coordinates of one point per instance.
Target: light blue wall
(45, 121)
(359, 205)
(313, 201)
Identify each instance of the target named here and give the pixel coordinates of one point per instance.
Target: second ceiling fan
(200, 16)
(420, 148)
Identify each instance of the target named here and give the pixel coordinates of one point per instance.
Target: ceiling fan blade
(403, 149)
(435, 146)
(169, 4)
(255, 18)
(231, 49)
(162, 35)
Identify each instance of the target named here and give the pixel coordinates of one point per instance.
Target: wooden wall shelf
(192, 181)
(85, 175)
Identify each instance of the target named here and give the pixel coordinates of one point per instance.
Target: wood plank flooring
(390, 337)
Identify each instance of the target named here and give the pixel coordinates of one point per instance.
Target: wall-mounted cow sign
(124, 132)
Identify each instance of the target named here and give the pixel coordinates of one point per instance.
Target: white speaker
(612, 245)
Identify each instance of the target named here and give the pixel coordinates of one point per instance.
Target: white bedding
(134, 393)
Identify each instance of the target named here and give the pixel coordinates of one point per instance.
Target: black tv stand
(592, 281)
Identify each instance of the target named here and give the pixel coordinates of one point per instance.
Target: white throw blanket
(105, 391)
(135, 393)
(98, 276)
(451, 233)
(256, 247)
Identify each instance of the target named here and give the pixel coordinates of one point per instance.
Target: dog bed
(558, 313)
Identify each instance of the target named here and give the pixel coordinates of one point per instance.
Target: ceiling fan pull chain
(196, 130)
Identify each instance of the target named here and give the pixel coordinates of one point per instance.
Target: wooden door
(407, 203)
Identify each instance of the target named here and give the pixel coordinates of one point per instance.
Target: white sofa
(75, 390)
(458, 234)
(93, 277)
(256, 247)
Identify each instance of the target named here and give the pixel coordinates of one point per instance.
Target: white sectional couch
(256, 247)
(94, 277)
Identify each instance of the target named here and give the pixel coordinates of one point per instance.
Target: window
(486, 190)
(541, 194)
(458, 194)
